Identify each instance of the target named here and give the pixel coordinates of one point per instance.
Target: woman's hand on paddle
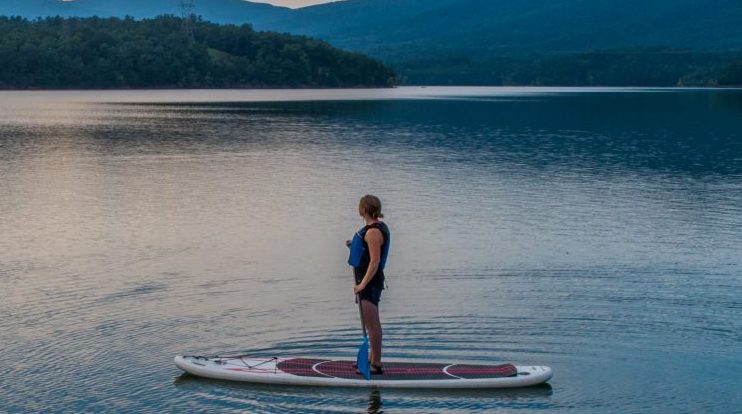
(358, 289)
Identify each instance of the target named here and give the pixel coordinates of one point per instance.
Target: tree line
(620, 67)
(164, 52)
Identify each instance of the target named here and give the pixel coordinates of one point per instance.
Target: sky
(293, 3)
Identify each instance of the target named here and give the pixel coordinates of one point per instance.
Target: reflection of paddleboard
(327, 372)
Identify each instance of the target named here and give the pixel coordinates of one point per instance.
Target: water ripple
(567, 229)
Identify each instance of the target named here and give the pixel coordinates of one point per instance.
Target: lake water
(597, 231)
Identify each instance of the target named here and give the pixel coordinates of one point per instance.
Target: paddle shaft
(360, 311)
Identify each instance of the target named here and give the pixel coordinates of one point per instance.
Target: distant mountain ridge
(218, 11)
(386, 28)
(398, 29)
(455, 41)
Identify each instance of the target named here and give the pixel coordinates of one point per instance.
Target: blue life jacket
(359, 247)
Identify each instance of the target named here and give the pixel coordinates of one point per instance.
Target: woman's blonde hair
(371, 206)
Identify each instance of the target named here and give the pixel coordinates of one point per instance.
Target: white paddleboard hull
(267, 371)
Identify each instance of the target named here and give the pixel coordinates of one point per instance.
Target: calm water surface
(597, 231)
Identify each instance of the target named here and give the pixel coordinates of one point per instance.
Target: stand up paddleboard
(327, 372)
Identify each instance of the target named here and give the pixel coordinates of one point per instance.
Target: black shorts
(371, 294)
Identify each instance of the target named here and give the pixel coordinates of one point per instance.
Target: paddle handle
(360, 312)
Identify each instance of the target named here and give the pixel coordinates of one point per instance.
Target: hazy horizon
(294, 4)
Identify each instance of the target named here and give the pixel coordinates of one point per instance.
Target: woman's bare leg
(373, 329)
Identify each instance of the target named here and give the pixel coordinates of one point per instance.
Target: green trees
(156, 53)
(730, 75)
(620, 67)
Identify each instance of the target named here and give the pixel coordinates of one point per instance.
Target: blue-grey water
(597, 231)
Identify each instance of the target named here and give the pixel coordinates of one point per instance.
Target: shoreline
(267, 95)
(371, 87)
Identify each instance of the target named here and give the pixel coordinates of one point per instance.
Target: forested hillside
(619, 67)
(159, 53)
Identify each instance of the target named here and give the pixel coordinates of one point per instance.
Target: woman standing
(368, 252)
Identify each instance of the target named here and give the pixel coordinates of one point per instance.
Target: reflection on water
(374, 402)
(271, 399)
(595, 231)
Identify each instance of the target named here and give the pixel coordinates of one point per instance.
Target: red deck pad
(395, 370)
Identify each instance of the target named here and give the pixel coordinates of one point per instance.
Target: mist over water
(597, 231)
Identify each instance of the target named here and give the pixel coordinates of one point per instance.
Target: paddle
(362, 359)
